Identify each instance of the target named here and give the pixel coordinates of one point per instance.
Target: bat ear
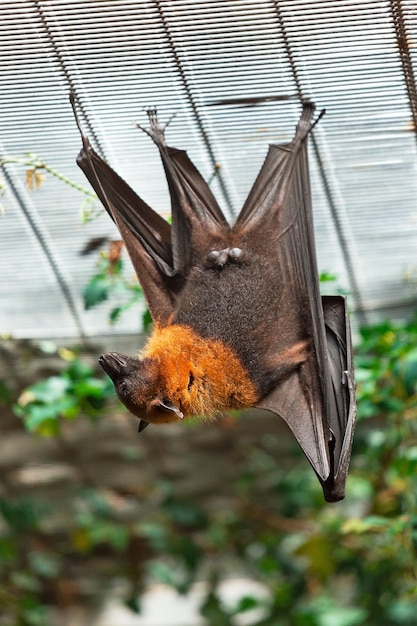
(167, 405)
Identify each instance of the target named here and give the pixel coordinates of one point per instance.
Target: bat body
(238, 317)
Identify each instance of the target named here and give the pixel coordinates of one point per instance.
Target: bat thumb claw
(142, 425)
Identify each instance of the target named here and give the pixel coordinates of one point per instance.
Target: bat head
(139, 385)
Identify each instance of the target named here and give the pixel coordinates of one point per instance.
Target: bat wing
(342, 416)
(161, 254)
(197, 218)
(317, 399)
(324, 429)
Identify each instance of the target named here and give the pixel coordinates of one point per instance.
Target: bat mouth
(114, 364)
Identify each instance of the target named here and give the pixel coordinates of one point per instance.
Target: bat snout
(114, 364)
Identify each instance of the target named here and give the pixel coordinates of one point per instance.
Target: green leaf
(214, 611)
(327, 277)
(110, 533)
(49, 390)
(346, 616)
(162, 572)
(411, 454)
(406, 370)
(40, 413)
(133, 604)
(21, 515)
(44, 564)
(94, 387)
(6, 394)
(116, 313)
(8, 551)
(78, 370)
(26, 581)
(97, 290)
(156, 534)
(247, 603)
(185, 514)
(403, 611)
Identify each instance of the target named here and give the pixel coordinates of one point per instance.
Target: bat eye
(122, 386)
(212, 256)
(235, 253)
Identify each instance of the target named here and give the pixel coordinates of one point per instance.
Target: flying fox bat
(238, 318)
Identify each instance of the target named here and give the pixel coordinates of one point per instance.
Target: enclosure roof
(235, 73)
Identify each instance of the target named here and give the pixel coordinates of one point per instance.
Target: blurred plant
(320, 565)
(329, 283)
(44, 565)
(36, 174)
(74, 391)
(109, 281)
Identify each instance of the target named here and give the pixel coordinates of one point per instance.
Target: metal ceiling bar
(50, 256)
(188, 91)
(67, 75)
(404, 42)
(36, 230)
(340, 232)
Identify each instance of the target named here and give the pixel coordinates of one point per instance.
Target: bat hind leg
(282, 365)
(156, 130)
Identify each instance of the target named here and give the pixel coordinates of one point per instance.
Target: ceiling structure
(234, 72)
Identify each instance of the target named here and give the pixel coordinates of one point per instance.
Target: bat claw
(142, 425)
(156, 130)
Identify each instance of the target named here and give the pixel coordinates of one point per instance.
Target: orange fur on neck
(201, 376)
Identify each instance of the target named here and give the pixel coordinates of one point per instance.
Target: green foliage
(327, 277)
(36, 170)
(329, 284)
(21, 570)
(6, 394)
(39, 564)
(75, 390)
(347, 564)
(109, 282)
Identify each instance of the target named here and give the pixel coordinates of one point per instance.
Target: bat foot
(217, 259)
(156, 130)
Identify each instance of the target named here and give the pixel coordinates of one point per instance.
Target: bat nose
(113, 363)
